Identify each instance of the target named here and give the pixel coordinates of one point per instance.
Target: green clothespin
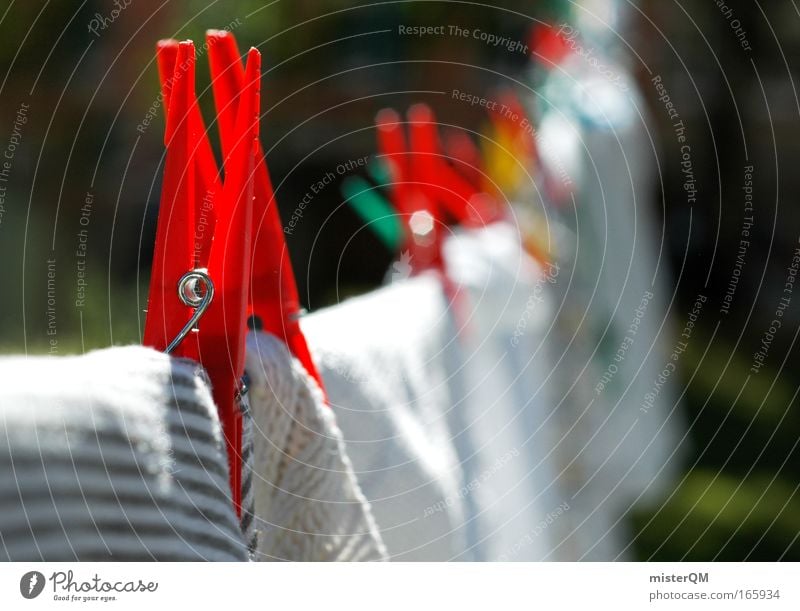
(374, 210)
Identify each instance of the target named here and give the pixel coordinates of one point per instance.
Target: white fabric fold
(508, 415)
(384, 359)
(308, 504)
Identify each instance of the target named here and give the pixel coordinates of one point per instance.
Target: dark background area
(329, 67)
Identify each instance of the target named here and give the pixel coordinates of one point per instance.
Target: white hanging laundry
(308, 504)
(384, 359)
(450, 430)
(505, 404)
(115, 455)
(591, 433)
(613, 327)
(637, 293)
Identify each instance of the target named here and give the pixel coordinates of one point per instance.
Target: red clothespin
(274, 299)
(486, 203)
(223, 342)
(194, 277)
(411, 169)
(408, 194)
(463, 203)
(174, 253)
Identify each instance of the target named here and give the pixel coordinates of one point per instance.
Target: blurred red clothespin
(425, 189)
(416, 186)
(416, 209)
(460, 201)
(549, 45)
(201, 264)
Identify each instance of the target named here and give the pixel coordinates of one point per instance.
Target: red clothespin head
(198, 291)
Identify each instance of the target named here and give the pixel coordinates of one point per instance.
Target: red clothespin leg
(274, 299)
(223, 329)
(173, 255)
(207, 179)
(459, 147)
(166, 57)
(427, 222)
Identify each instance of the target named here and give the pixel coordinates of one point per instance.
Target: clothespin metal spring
(191, 296)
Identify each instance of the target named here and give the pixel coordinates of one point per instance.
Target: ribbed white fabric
(384, 358)
(118, 455)
(115, 455)
(308, 503)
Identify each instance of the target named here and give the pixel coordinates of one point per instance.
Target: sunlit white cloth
(383, 357)
(441, 398)
(308, 504)
(613, 326)
(506, 406)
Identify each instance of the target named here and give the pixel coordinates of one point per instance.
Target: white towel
(383, 357)
(308, 504)
(115, 455)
